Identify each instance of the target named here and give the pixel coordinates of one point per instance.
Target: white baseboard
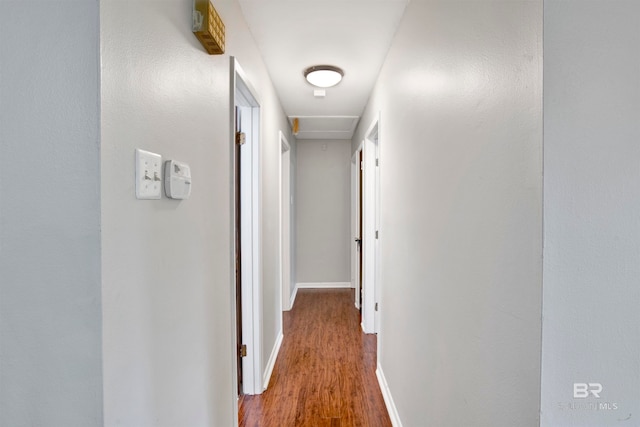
(323, 285)
(293, 297)
(272, 361)
(388, 400)
(316, 285)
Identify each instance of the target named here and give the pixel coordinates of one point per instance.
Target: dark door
(359, 239)
(238, 255)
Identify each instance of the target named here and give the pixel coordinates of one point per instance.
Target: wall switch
(148, 175)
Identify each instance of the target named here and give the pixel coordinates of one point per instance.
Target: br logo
(583, 390)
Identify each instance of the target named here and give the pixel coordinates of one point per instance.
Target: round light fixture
(323, 75)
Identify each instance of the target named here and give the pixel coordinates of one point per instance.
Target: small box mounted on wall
(208, 27)
(177, 180)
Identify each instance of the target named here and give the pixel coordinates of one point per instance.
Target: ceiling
(293, 35)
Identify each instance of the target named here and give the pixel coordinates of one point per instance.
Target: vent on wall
(325, 127)
(208, 27)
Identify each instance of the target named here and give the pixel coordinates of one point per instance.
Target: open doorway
(356, 226)
(246, 225)
(373, 140)
(285, 222)
(366, 228)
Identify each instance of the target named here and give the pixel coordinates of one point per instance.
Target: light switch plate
(148, 175)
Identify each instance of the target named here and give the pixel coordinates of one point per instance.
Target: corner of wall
(388, 398)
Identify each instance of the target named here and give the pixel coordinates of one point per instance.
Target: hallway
(325, 372)
(507, 149)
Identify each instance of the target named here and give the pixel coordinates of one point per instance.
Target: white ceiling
(295, 34)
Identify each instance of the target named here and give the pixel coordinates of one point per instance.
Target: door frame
(371, 229)
(243, 94)
(355, 224)
(285, 221)
(373, 136)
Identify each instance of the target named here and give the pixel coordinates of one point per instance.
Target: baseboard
(272, 361)
(323, 285)
(388, 400)
(316, 285)
(293, 297)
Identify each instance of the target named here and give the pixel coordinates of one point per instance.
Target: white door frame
(244, 96)
(285, 221)
(374, 137)
(355, 223)
(371, 230)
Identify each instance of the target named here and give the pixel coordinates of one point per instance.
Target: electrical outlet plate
(148, 175)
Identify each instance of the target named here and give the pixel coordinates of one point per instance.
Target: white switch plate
(148, 175)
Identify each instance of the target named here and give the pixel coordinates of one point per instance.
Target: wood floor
(325, 372)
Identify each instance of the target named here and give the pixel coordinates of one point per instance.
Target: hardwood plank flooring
(325, 372)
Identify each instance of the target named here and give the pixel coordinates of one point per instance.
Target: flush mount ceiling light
(323, 75)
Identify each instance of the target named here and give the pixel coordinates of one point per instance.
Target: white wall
(50, 318)
(323, 182)
(167, 279)
(273, 121)
(591, 329)
(460, 99)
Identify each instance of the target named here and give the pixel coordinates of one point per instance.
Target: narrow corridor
(325, 372)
